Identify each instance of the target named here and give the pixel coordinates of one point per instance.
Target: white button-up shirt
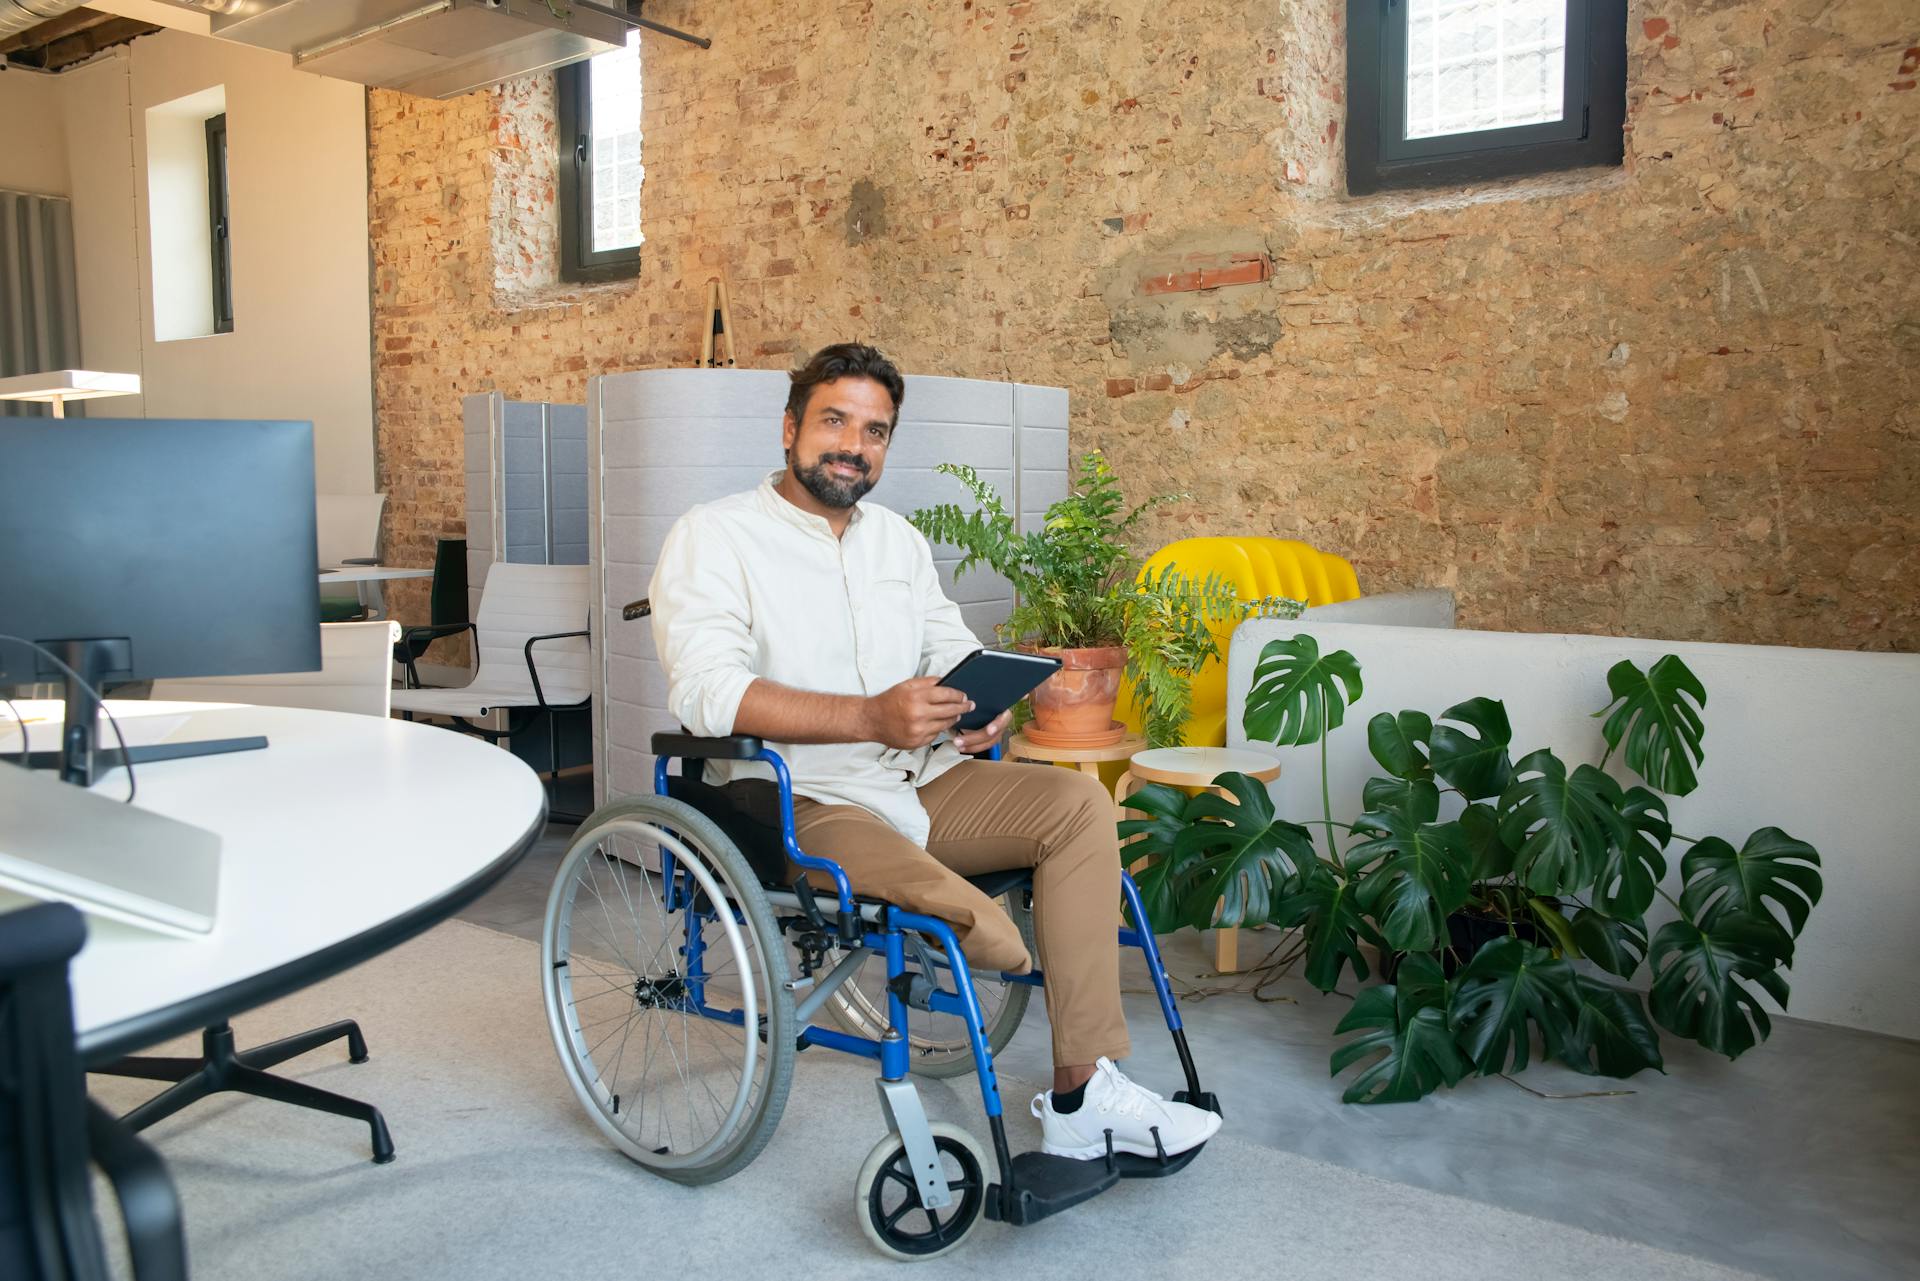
(751, 586)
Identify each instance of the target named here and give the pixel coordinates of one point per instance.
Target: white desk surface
(369, 573)
(346, 836)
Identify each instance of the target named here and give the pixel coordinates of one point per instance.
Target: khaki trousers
(988, 816)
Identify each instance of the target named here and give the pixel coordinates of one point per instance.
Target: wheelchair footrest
(1205, 1100)
(1045, 1185)
(1129, 1166)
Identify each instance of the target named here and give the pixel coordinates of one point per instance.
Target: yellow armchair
(1255, 567)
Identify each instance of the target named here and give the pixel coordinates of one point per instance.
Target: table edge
(102, 1045)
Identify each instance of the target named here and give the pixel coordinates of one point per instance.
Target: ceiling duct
(434, 48)
(18, 15)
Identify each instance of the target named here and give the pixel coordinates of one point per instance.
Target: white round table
(346, 836)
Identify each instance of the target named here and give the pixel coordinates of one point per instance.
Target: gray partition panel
(662, 441)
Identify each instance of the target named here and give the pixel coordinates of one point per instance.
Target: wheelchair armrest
(692, 747)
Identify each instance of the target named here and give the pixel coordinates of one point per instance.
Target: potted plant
(1080, 596)
(1539, 866)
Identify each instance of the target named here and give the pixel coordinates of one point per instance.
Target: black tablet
(996, 679)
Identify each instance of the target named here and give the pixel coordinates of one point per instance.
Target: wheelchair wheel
(938, 1042)
(672, 1019)
(888, 1200)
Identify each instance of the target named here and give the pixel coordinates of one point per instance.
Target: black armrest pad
(736, 747)
(432, 631)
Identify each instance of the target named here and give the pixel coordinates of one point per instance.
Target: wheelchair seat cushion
(748, 811)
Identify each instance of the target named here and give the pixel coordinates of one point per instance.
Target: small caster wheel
(887, 1199)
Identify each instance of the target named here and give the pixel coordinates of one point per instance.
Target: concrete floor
(1802, 1160)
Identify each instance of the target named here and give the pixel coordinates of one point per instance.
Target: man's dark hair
(844, 360)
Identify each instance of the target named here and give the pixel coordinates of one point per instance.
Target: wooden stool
(1088, 759)
(1195, 768)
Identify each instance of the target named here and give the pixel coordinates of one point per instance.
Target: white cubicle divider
(664, 440)
(526, 466)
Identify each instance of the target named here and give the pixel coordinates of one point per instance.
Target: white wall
(1820, 743)
(33, 137)
(297, 163)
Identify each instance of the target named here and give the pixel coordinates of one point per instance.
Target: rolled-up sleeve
(947, 639)
(702, 626)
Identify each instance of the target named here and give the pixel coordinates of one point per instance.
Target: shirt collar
(781, 509)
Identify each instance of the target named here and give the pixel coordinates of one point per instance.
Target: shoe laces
(1123, 1095)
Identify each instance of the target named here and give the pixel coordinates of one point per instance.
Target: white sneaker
(1132, 1112)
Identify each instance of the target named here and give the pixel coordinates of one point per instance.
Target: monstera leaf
(1700, 977)
(1397, 743)
(1240, 858)
(1560, 827)
(1296, 695)
(1661, 728)
(1632, 869)
(1403, 1030)
(1422, 878)
(1611, 1035)
(1160, 881)
(1508, 988)
(1771, 868)
(1418, 799)
(1488, 856)
(1479, 767)
(1329, 918)
(1617, 945)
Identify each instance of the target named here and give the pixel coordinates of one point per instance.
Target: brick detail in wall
(1201, 272)
(1672, 400)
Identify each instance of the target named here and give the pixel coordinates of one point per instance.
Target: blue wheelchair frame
(1032, 1185)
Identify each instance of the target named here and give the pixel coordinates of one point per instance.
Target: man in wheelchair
(793, 614)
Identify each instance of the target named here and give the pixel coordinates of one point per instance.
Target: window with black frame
(1446, 92)
(218, 226)
(600, 169)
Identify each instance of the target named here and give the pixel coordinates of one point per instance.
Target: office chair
(446, 606)
(48, 1126)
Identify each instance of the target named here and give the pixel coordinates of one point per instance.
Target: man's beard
(832, 490)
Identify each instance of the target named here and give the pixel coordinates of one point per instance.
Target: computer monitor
(136, 549)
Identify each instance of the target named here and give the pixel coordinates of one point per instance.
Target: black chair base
(222, 1069)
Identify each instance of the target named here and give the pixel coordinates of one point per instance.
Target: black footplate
(1045, 1185)
(1129, 1165)
(1205, 1101)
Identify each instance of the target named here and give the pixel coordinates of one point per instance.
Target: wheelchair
(685, 965)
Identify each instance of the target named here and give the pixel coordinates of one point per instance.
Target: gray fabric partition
(39, 306)
(526, 472)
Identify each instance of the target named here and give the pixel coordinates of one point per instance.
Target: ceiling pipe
(18, 15)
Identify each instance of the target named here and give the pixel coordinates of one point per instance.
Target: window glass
(1483, 64)
(613, 81)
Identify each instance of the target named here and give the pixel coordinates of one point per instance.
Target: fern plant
(1074, 582)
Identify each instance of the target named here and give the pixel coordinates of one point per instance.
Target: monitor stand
(78, 759)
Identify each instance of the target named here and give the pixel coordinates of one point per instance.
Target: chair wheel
(887, 1199)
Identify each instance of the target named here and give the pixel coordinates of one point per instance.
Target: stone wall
(1676, 399)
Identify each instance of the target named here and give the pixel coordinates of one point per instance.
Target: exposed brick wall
(1677, 400)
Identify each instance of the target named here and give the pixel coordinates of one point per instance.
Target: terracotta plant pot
(1074, 706)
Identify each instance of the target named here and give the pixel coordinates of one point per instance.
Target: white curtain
(39, 308)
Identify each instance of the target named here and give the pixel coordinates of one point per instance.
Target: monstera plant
(1484, 916)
